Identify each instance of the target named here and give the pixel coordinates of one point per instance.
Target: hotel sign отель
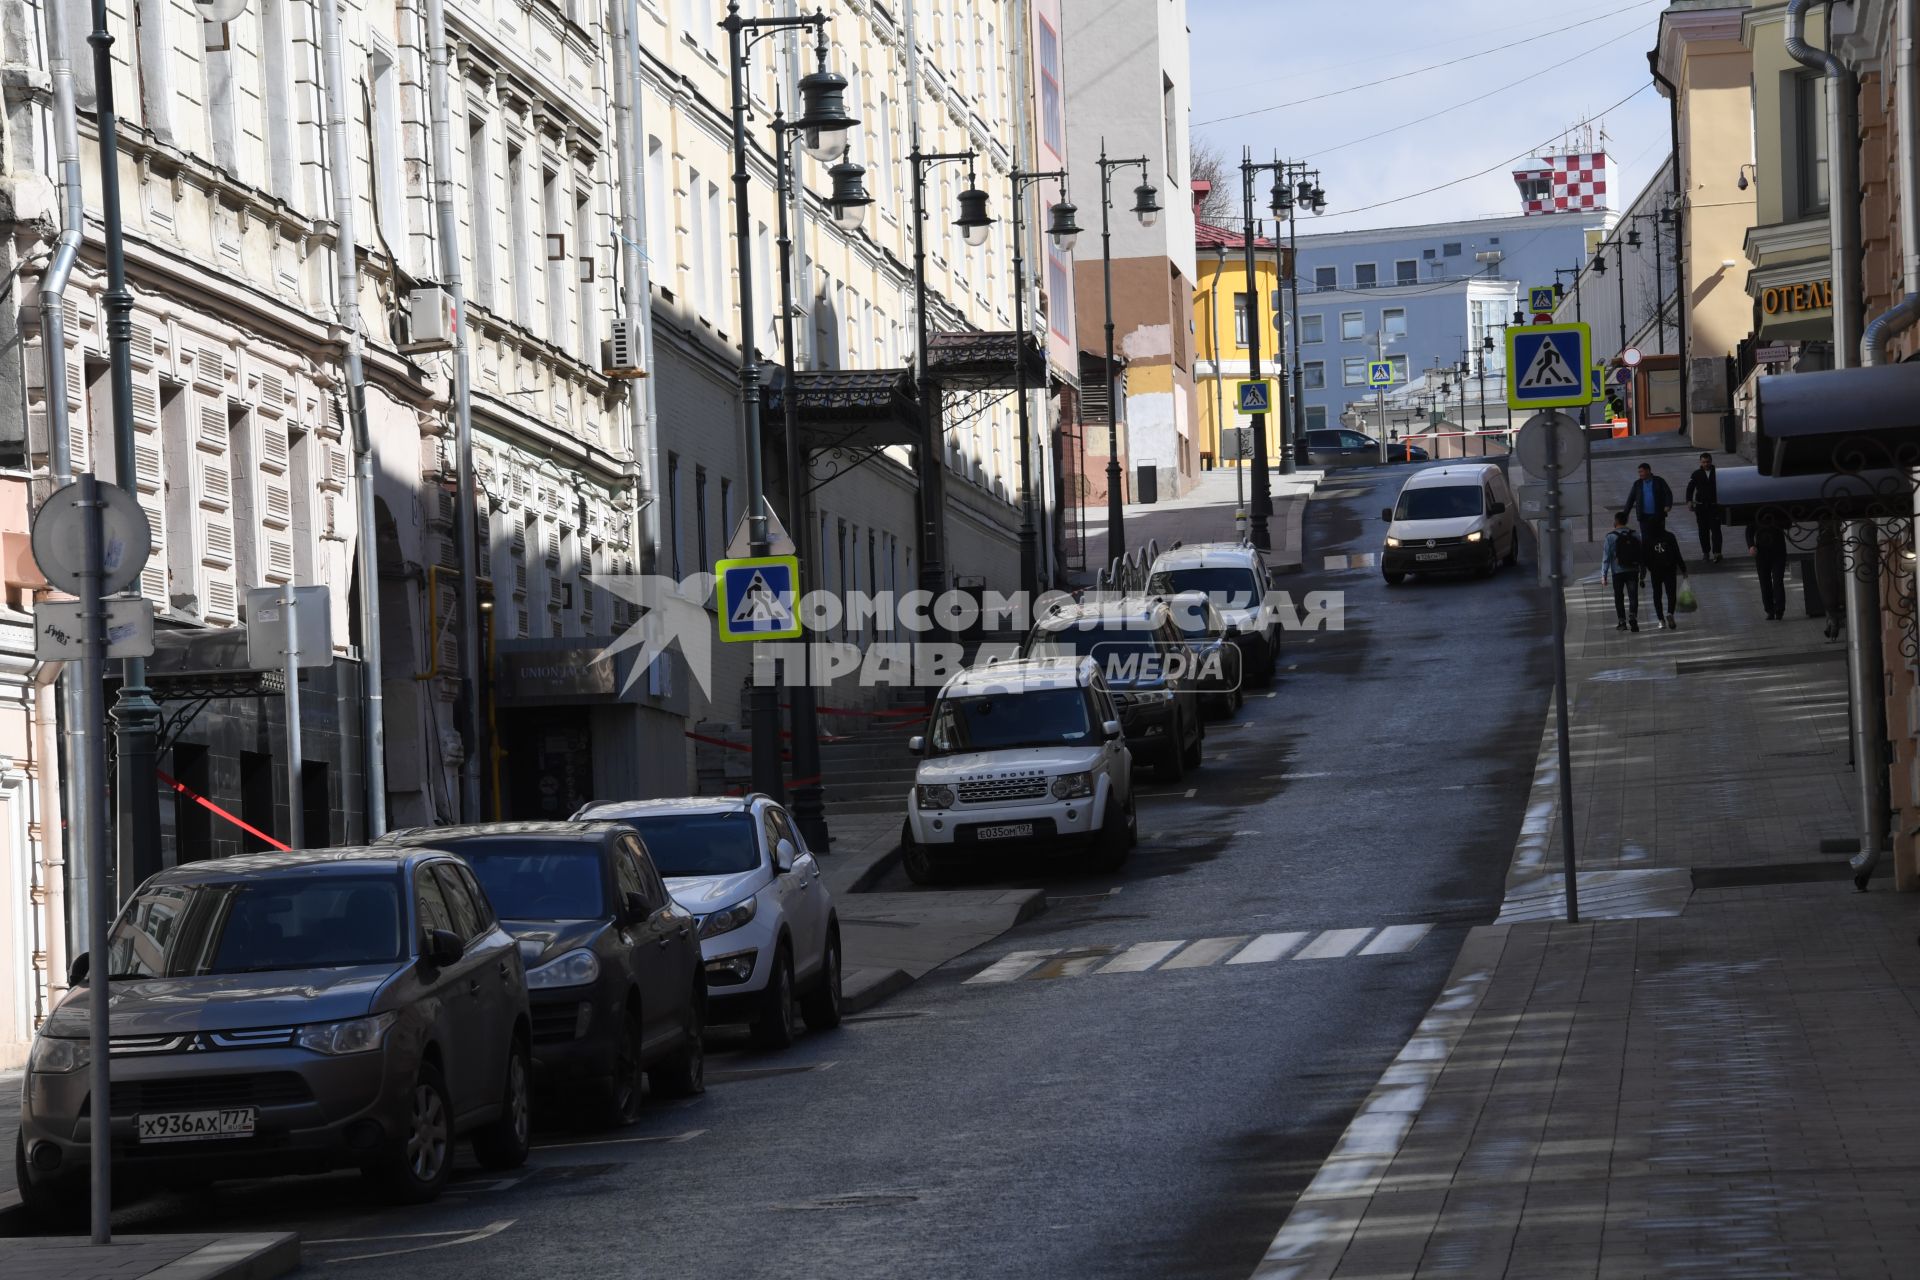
(1790, 299)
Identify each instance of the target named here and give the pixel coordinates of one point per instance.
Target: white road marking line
(1396, 938)
(491, 1229)
(1069, 966)
(1333, 944)
(1268, 946)
(688, 1136)
(1273, 695)
(1007, 968)
(1140, 957)
(1191, 793)
(1205, 952)
(1248, 832)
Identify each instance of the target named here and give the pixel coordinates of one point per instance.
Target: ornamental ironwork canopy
(1746, 495)
(848, 408)
(975, 361)
(1845, 421)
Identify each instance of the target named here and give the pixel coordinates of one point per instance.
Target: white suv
(1234, 576)
(769, 938)
(1025, 753)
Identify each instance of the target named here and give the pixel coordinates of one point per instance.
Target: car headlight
(727, 919)
(1475, 536)
(1393, 542)
(1069, 785)
(1149, 697)
(574, 969)
(57, 1055)
(935, 797)
(356, 1035)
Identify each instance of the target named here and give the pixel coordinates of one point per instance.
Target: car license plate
(190, 1126)
(1431, 555)
(1006, 831)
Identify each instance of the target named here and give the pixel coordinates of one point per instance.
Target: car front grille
(196, 1093)
(555, 1023)
(1002, 789)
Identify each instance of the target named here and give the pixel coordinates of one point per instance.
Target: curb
(1312, 1241)
(879, 870)
(864, 988)
(255, 1257)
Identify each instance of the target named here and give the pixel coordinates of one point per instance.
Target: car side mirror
(783, 855)
(1112, 729)
(636, 908)
(1386, 513)
(77, 971)
(444, 947)
(916, 745)
(1498, 508)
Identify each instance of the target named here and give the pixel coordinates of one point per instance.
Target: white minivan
(1460, 517)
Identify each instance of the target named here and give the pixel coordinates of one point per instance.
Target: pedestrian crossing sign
(759, 598)
(1599, 387)
(1542, 298)
(1545, 364)
(1255, 397)
(1380, 373)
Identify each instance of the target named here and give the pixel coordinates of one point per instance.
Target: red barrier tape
(722, 742)
(888, 713)
(217, 811)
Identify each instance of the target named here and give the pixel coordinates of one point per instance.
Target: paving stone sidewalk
(148, 1257)
(1717, 1084)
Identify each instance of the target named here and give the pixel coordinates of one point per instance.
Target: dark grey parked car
(1339, 447)
(613, 966)
(286, 1013)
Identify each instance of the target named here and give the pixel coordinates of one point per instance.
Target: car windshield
(1228, 586)
(699, 844)
(533, 879)
(1440, 502)
(1001, 721)
(289, 921)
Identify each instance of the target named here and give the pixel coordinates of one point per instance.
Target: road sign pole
(1557, 577)
(296, 812)
(90, 821)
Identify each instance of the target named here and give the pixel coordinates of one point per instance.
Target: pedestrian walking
(1703, 499)
(1664, 570)
(1621, 564)
(1767, 544)
(1650, 499)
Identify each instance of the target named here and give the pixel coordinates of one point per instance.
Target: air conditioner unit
(431, 321)
(620, 354)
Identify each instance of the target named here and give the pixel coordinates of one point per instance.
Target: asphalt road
(1120, 1124)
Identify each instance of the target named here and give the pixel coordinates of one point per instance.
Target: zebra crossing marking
(1268, 947)
(1333, 944)
(1203, 953)
(1007, 968)
(1140, 957)
(1396, 938)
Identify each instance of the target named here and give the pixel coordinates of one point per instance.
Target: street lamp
(848, 203)
(1146, 207)
(1295, 187)
(823, 126)
(1065, 232)
(1261, 505)
(932, 448)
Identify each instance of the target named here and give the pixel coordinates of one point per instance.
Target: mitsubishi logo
(197, 1043)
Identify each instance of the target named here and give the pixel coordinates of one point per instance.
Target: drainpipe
(53, 351)
(1843, 201)
(439, 99)
(1865, 675)
(346, 253)
(1680, 207)
(636, 284)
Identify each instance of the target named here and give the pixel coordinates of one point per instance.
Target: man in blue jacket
(1649, 500)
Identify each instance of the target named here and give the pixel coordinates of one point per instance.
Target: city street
(1036, 1117)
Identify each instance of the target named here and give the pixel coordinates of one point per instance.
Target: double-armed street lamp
(1288, 192)
(1146, 207)
(1296, 187)
(1063, 230)
(822, 129)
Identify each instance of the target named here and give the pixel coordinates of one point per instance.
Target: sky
(1255, 61)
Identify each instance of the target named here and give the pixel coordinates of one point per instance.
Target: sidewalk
(1712, 1074)
(1205, 514)
(197, 1257)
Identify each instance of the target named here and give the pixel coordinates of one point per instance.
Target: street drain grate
(877, 1200)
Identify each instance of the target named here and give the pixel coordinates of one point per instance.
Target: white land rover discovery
(1026, 753)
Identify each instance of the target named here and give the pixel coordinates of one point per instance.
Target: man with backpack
(1621, 563)
(1664, 570)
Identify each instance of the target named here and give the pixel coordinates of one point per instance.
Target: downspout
(1866, 682)
(635, 277)
(53, 352)
(1680, 206)
(439, 98)
(1843, 200)
(346, 253)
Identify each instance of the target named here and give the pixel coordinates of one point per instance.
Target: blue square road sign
(1548, 366)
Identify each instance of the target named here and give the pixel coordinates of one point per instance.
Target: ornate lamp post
(1296, 187)
(1146, 207)
(1064, 231)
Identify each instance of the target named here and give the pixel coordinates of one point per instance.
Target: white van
(1456, 518)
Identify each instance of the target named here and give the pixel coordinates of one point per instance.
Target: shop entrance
(546, 765)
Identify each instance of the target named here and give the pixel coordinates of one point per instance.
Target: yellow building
(1223, 310)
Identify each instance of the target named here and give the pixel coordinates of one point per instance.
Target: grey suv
(285, 1013)
(1149, 670)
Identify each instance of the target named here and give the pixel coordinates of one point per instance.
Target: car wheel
(1133, 822)
(920, 863)
(51, 1202)
(683, 1073)
(1394, 579)
(1190, 756)
(503, 1142)
(1110, 846)
(415, 1167)
(1263, 668)
(1173, 765)
(774, 1026)
(821, 1005)
(1513, 552)
(622, 1092)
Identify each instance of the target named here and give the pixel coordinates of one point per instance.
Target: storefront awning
(1745, 494)
(1839, 420)
(848, 408)
(970, 361)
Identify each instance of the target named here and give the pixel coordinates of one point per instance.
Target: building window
(716, 257)
(1437, 270)
(216, 68)
(726, 508)
(154, 57)
(659, 248)
(517, 234)
(1451, 249)
(389, 197)
(1429, 254)
(1353, 326)
(1174, 127)
(1051, 119)
(883, 171)
(1365, 275)
(1316, 375)
(1353, 371)
(1240, 319)
(1393, 322)
(1399, 364)
(1326, 279)
(1313, 328)
(1810, 142)
(480, 208)
(700, 518)
(1406, 271)
(1058, 291)
(673, 516)
(586, 282)
(1316, 417)
(553, 254)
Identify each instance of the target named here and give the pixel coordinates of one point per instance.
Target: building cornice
(1699, 24)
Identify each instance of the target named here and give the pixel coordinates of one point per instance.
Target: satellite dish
(219, 11)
